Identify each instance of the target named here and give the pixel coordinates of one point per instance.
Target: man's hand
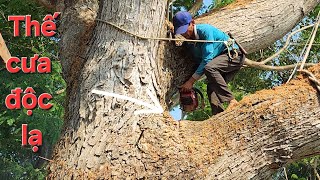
(187, 86)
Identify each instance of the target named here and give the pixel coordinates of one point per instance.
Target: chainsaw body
(189, 101)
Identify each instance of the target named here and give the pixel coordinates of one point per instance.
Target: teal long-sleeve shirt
(207, 51)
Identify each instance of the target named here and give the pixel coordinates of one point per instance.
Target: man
(215, 61)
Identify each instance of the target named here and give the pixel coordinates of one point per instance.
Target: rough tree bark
(104, 139)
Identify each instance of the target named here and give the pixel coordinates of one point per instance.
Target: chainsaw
(189, 100)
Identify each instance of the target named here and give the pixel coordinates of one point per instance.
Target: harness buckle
(233, 53)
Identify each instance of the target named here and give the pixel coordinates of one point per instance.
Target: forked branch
(262, 64)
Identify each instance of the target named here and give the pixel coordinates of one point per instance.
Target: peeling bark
(104, 139)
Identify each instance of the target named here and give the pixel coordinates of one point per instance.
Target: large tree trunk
(102, 136)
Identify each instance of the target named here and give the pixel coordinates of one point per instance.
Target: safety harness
(232, 51)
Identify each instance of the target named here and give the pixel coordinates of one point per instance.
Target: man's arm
(207, 53)
(207, 56)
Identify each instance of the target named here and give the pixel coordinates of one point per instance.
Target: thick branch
(259, 65)
(257, 24)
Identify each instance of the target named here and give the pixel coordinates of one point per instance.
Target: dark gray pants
(219, 72)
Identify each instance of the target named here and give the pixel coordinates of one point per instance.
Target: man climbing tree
(219, 60)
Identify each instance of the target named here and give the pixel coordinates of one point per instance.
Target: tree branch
(284, 142)
(195, 8)
(286, 44)
(315, 168)
(285, 173)
(311, 42)
(259, 65)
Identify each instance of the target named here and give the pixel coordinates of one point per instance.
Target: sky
(207, 2)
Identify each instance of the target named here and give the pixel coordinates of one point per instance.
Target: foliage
(20, 161)
(304, 169)
(10, 169)
(183, 5)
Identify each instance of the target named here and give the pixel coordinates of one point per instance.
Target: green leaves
(304, 169)
(19, 161)
(10, 121)
(10, 169)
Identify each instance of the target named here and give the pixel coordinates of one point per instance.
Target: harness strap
(231, 43)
